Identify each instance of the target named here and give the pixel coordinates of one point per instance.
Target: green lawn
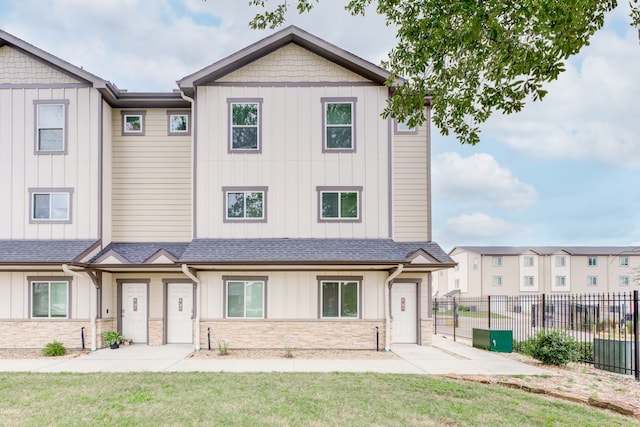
(254, 399)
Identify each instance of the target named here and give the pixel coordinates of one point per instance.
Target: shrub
(54, 349)
(552, 348)
(223, 347)
(585, 351)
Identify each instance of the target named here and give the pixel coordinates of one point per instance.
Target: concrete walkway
(444, 357)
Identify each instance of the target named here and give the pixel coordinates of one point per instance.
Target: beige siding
(293, 295)
(22, 169)
(292, 63)
(292, 163)
(18, 68)
(14, 287)
(151, 182)
(411, 187)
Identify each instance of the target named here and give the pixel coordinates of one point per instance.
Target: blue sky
(565, 171)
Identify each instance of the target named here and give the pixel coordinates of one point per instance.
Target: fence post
(544, 310)
(636, 350)
(489, 310)
(435, 316)
(455, 317)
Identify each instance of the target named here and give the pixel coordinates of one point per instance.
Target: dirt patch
(36, 353)
(294, 353)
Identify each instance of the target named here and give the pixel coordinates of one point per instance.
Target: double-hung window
(244, 125)
(340, 297)
(339, 204)
(245, 204)
(338, 122)
(50, 205)
(49, 297)
(51, 123)
(245, 297)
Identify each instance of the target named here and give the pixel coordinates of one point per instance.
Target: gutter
(387, 311)
(94, 333)
(190, 275)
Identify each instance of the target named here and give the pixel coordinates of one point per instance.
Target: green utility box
(493, 340)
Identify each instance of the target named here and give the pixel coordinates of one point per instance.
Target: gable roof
(44, 251)
(7, 39)
(291, 34)
(140, 253)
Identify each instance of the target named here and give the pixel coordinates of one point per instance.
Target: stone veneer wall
(426, 337)
(308, 334)
(156, 332)
(38, 333)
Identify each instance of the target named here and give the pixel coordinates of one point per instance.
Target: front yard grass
(281, 399)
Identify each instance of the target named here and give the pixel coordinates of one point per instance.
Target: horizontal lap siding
(151, 198)
(411, 187)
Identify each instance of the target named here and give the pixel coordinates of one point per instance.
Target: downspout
(387, 303)
(190, 275)
(94, 334)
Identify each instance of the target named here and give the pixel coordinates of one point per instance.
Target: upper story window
(496, 280)
(592, 281)
(475, 263)
(528, 261)
(529, 281)
(338, 124)
(339, 203)
(51, 124)
(561, 261)
(402, 128)
(178, 123)
(456, 284)
(245, 204)
(50, 205)
(49, 297)
(624, 261)
(624, 280)
(561, 280)
(245, 125)
(245, 297)
(593, 261)
(133, 122)
(340, 297)
(497, 261)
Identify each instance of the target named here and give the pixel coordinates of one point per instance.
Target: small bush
(54, 349)
(585, 351)
(552, 348)
(223, 347)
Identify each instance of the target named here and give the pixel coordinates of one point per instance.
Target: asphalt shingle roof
(550, 250)
(138, 253)
(39, 251)
(307, 250)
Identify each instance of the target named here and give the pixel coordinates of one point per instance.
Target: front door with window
(404, 305)
(179, 313)
(134, 312)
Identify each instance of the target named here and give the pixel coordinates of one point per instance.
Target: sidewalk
(444, 357)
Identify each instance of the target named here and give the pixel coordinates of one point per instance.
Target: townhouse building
(264, 202)
(509, 270)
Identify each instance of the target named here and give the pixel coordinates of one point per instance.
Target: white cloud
(478, 180)
(590, 112)
(480, 226)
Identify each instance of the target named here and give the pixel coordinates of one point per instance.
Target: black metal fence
(604, 326)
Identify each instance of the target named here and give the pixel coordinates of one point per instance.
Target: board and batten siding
(292, 163)
(411, 186)
(151, 182)
(24, 80)
(294, 295)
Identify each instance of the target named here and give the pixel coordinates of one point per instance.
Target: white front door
(404, 309)
(179, 313)
(134, 311)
